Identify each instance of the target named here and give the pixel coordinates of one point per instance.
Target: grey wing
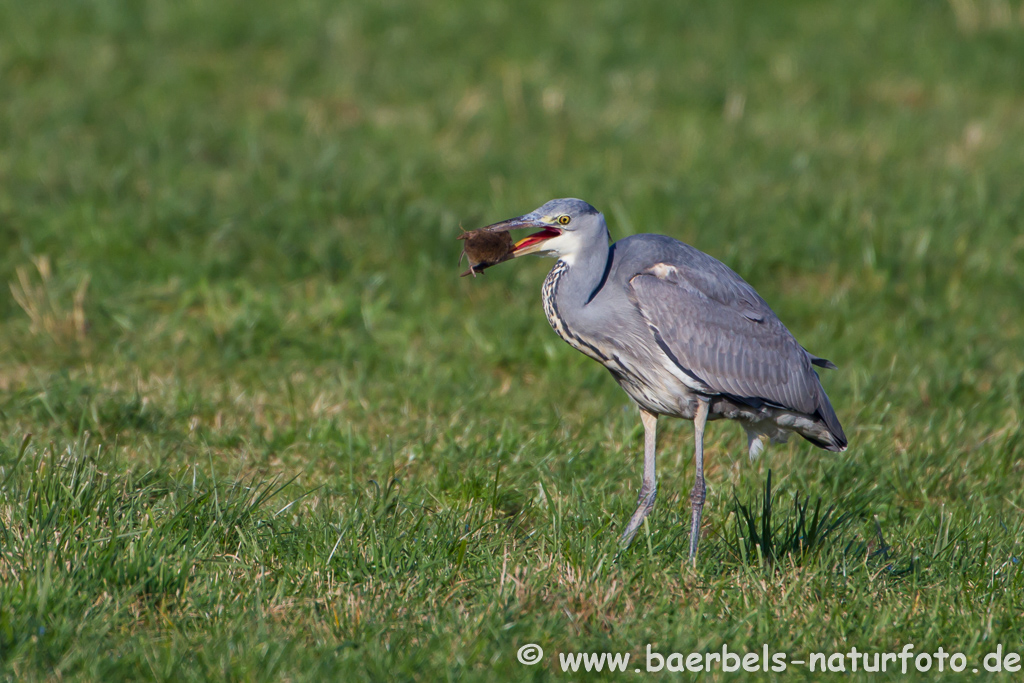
(718, 331)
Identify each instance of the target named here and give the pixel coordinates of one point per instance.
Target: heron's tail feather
(823, 363)
(832, 437)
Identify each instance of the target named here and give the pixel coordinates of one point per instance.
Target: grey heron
(681, 333)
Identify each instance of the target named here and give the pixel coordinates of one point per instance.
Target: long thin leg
(649, 489)
(697, 494)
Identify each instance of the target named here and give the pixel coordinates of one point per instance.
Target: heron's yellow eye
(563, 220)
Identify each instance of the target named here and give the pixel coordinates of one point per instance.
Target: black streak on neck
(604, 276)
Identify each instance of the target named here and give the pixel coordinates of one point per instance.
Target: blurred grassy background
(229, 232)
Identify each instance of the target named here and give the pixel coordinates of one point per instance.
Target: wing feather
(716, 328)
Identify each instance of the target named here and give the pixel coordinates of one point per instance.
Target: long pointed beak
(531, 243)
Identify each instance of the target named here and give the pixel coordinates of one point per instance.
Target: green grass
(254, 427)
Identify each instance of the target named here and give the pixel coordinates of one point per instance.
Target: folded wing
(718, 331)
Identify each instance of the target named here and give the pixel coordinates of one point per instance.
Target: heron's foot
(697, 496)
(644, 505)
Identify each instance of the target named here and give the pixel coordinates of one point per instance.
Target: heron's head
(565, 227)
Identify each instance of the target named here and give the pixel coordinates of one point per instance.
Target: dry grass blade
(43, 307)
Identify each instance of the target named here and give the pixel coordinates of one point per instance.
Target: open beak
(532, 243)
